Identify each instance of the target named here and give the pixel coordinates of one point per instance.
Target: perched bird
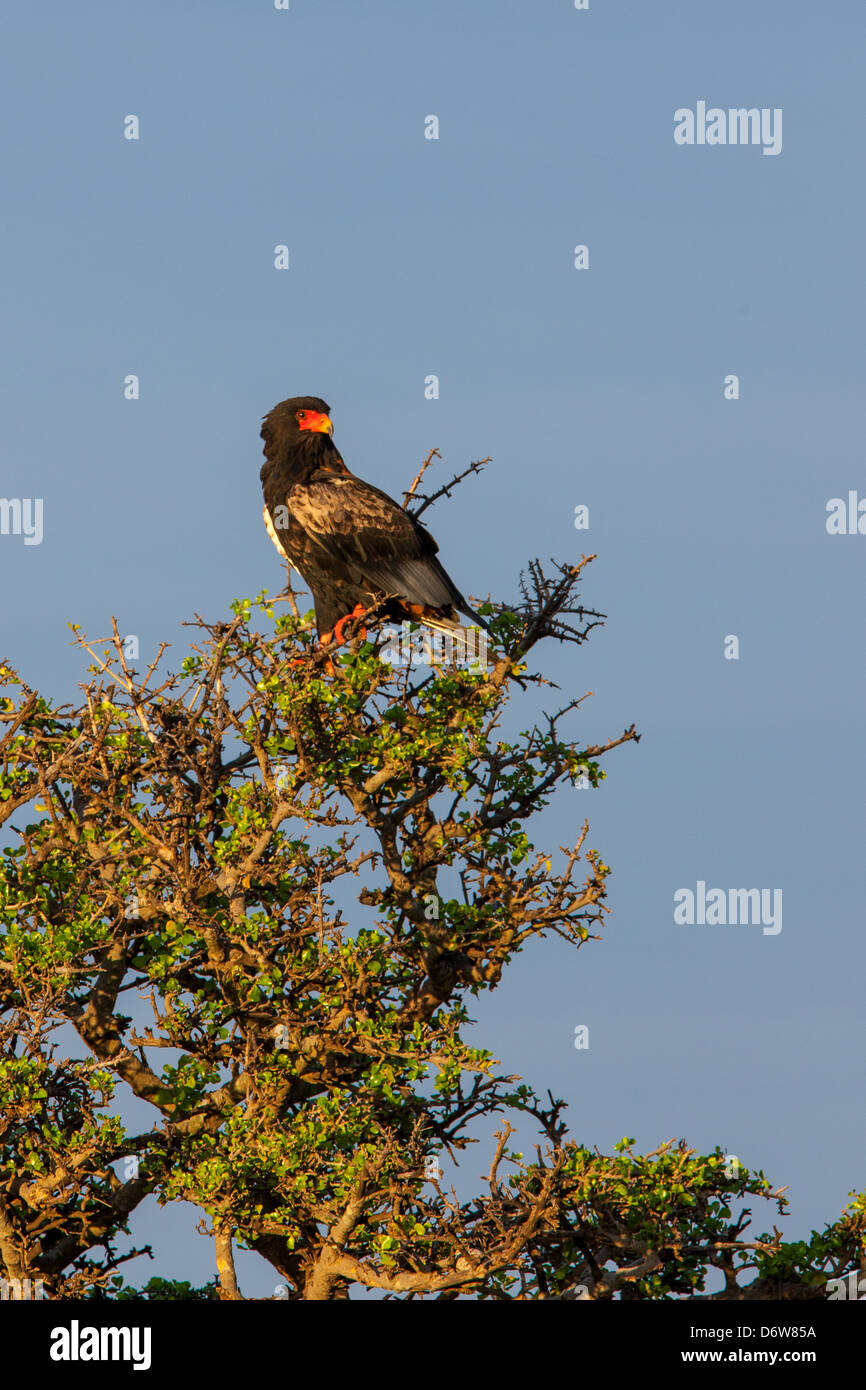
(352, 544)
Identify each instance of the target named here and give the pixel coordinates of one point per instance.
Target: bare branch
(447, 489)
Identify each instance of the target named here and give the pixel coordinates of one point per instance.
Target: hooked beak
(321, 424)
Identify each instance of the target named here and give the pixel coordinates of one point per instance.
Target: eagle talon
(357, 612)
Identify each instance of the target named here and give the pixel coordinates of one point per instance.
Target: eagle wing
(363, 532)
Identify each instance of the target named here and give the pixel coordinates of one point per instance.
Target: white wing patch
(269, 527)
(275, 537)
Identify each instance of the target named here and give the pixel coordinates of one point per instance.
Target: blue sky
(603, 387)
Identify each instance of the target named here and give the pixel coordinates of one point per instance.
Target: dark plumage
(351, 543)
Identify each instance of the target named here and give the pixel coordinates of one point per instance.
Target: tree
(187, 842)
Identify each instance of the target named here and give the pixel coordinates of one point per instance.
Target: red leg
(335, 636)
(357, 612)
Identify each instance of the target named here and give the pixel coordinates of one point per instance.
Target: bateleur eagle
(352, 544)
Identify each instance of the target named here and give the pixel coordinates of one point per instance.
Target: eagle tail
(466, 645)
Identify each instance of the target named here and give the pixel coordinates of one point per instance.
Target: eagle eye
(302, 415)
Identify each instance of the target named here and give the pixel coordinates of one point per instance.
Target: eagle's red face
(314, 420)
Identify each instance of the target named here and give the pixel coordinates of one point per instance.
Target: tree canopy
(260, 892)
